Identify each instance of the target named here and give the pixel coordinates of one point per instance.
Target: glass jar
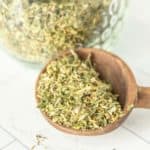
(36, 30)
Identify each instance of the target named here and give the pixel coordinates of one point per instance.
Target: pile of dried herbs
(37, 29)
(72, 95)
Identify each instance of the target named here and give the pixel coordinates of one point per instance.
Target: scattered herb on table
(72, 95)
(39, 142)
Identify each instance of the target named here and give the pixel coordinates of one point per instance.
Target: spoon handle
(143, 97)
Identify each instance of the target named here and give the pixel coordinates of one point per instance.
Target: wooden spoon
(115, 71)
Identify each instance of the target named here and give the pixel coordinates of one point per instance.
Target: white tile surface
(139, 123)
(119, 139)
(4, 138)
(15, 146)
(18, 113)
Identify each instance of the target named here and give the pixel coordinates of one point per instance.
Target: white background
(20, 120)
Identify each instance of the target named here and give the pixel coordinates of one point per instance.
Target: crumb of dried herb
(72, 95)
(130, 107)
(39, 141)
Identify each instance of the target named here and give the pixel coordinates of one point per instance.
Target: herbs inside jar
(71, 94)
(35, 30)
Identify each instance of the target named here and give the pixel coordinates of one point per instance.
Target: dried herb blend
(37, 29)
(72, 95)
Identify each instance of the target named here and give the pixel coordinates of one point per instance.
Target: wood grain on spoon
(114, 70)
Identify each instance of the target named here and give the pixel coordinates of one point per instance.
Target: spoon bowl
(115, 71)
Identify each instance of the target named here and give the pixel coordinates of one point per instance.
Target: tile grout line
(14, 137)
(137, 135)
(8, 144)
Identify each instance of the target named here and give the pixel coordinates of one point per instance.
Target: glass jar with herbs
(35, 30)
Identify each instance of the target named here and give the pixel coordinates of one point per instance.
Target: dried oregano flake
(72, 95)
